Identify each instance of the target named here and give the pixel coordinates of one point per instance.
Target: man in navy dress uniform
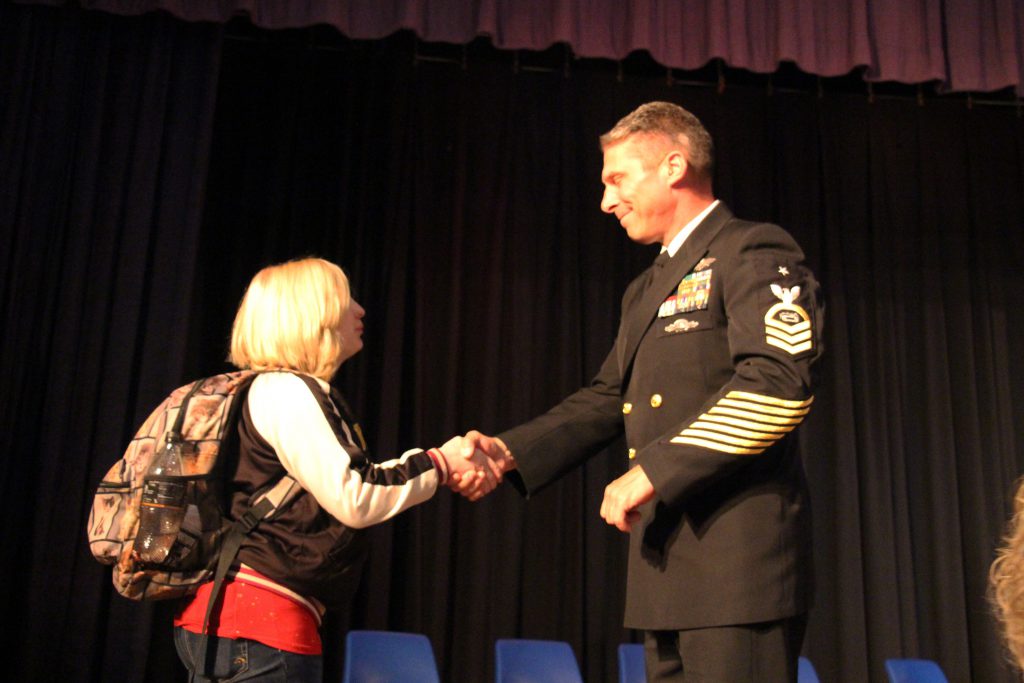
(709, 379)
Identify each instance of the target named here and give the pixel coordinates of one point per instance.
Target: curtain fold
(960, 45)
(985, 44)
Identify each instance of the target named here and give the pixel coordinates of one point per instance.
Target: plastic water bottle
(162, 507)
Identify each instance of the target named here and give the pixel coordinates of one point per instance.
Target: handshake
(476, 463)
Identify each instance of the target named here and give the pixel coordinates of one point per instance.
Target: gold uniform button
(627, 408)
(632, 453)
(655, 400)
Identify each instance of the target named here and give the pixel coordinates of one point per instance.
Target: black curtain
(150, 167)
(104, 148)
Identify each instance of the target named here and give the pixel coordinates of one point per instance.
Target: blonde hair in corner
(289, 319)
(1006, 582)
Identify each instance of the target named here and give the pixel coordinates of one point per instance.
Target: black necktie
(655, 271)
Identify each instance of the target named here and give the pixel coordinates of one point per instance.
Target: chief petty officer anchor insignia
(786, 324)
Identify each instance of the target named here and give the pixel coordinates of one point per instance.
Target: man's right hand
(499, 459)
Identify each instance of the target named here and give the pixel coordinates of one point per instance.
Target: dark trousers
(748, 653)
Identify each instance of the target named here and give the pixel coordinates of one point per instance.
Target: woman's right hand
(470, 472)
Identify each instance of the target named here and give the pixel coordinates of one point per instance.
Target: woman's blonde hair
(1006, 581)
(289, 319)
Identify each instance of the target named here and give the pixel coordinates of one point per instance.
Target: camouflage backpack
(204, 413)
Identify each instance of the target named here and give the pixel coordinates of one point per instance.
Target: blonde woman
(1007, 582)
(296, 325)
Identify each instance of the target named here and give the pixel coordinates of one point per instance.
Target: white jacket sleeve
(351, 488)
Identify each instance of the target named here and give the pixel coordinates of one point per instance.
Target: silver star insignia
(783, 271)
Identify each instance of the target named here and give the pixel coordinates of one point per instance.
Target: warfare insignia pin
(681, 325)
(787, 325)
(704, 263)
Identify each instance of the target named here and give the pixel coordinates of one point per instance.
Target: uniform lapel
(664, 281)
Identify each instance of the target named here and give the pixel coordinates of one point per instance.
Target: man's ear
(675, 166)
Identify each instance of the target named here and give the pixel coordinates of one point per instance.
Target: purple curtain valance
(963, 45)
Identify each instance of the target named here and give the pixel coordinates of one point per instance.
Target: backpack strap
(268, 504)
(179, 421)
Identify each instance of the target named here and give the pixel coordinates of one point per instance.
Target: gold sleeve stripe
(721, 419)
(791, 349)
(787, 328)
(722, 438)
(735, 431)
(756, 416)
(760, 408)
(729, 434)
(717, 446)
(745, 423)
(770, 400)
(791, 338)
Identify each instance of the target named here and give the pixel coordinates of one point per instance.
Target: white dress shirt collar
(678, 240)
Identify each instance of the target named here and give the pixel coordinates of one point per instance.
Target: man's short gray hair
(672, 122)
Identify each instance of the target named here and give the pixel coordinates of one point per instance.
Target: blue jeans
(240, 659)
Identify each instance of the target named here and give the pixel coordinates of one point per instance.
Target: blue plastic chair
(535, 661)
(914, 671)
(632, 668)
(389, 657)
(805, 672)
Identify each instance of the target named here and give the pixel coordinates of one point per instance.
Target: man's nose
(609, 201)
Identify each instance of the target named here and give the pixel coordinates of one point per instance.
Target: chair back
(914, 671)
(518, 660)
(632, 668)
(805, 672)
(389, 657)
